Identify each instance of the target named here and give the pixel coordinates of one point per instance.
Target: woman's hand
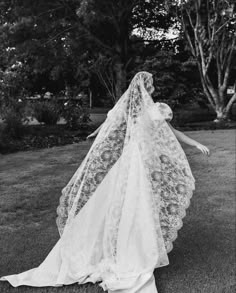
(95, 132)
(203, 149)
(91, 135)
(184, 138)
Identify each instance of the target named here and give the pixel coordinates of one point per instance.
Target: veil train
(120, 212)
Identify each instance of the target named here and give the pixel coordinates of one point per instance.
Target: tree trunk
(222, 114)
(218, 104)
(90, 99)
(211, 43)
(217, 101)
(120, 79)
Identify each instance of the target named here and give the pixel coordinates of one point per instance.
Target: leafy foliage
(95, 46)
(13, 114)
(59, 42)
(44, 38)
(46, 112)
(13, 125)
(76, 114)
(176, 80)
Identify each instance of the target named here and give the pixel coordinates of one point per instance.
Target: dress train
(82, 254)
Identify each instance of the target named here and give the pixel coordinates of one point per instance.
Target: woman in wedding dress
(120, 212)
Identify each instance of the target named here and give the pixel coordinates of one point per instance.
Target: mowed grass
(203, 258)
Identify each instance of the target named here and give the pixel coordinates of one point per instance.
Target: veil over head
(135, 119)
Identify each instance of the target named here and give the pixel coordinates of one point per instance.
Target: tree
(209, 28)
(64, 42)
(46, 41)
(176, 77)
(110, 26)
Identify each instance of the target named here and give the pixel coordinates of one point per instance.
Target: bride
(120, 212)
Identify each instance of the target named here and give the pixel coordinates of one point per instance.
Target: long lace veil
(166, 167)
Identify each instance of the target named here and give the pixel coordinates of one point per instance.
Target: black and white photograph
(118, 146)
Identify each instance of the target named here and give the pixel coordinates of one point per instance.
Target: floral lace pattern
(134, 117)
(100, 160)
(169, 173)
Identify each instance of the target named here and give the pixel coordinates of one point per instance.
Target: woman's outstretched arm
(95, 132)
(184, 138)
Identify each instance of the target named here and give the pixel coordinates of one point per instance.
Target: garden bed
(42, 136)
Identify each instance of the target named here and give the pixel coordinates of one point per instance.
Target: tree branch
(205, 87)
(190, 19)
(211, 89)
(219, 69)
(230, 103)
(59, 34)
(91, 35)
(223, 25)
(187, 35)
(48, 11)
(228, 63)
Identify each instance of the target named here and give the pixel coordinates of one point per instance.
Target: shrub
(13, 125)
(193, 116)
(14, 116)
(76, 116)
(47, 112)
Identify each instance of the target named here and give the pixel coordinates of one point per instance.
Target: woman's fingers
(206, 150)
(90, 136)
(203, 149)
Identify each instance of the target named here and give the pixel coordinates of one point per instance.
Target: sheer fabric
(135, 117)
(120, 212)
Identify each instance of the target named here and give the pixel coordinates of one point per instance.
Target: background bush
(13, 125)
(76, 115)
(47, 112)
(14, 116)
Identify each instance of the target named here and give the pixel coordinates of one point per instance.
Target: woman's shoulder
(162, 105)
(160, 109)
(166, 111)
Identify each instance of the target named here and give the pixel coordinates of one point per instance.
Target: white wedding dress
(128, 223)
(83, 261)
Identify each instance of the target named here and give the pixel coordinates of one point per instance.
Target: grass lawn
(203, 258)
